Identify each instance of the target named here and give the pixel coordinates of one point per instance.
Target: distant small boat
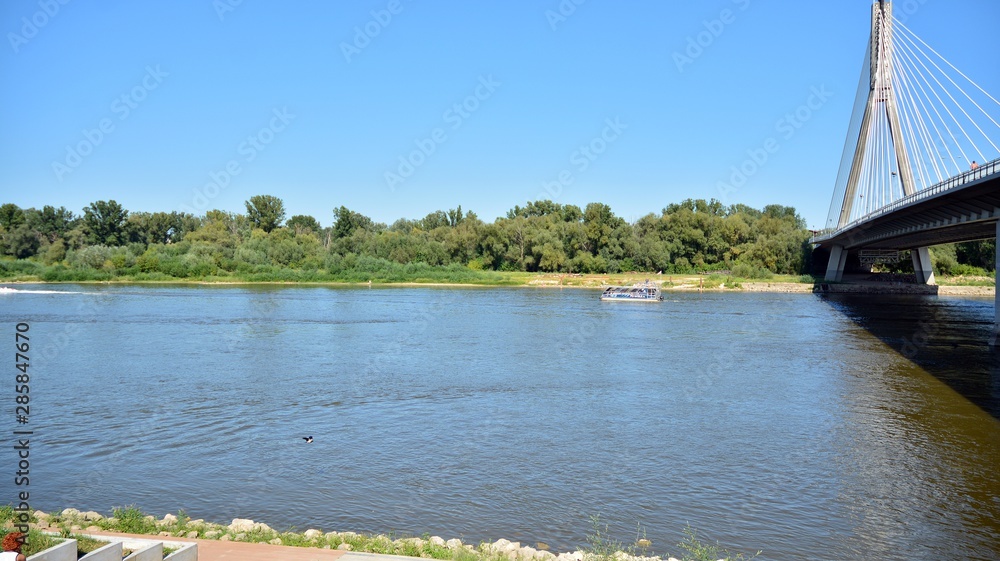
(638, 292)
(7, 290)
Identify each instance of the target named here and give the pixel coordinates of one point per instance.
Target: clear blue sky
(199, 81)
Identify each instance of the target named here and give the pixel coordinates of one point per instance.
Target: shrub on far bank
(746, 271)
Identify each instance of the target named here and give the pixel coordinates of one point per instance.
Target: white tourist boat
(639, 292)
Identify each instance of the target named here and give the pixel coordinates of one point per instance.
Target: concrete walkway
(215, 550)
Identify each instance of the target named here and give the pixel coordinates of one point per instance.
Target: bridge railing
(982, 171)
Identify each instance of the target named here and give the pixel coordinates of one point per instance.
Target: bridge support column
(922, 265)
(838, 260)
(996, 297)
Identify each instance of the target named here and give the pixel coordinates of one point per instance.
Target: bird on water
(308, 439)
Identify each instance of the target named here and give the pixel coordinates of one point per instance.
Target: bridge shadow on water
(950, 338)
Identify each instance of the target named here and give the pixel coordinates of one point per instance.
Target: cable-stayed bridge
(921, 162)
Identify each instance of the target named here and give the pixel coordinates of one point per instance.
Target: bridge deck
(963, 208)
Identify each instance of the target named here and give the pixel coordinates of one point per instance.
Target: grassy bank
(29, 271)
(421, 274)
(70, 523)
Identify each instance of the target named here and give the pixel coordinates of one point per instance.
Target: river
(833, 427)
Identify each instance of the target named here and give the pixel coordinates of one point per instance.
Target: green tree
(980, 253)
(55, 253)
(104, 223)
(265, 212)
(11, 216)
(51, 223)
(159, 227)
(301, 224)
(346, 222)
(599, 223)
(21, 242)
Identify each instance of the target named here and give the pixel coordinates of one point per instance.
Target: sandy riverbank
(671, 283)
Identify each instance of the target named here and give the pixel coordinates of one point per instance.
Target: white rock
(168, 519)
(191, 534)
(501, 544)
(70, 512)
(454, 544)
(345, 547)
(91, 515)
(312, 534)
(261, 527)
(437, 540)
(241, 525)
(212, 534)
(275, 541)
(528, 552)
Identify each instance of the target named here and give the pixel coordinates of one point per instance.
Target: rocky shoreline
(73, 521)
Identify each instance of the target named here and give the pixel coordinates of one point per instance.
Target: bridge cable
(960, 73)
(941, 103)
(914, 73)
(917, 127)
(960, 89)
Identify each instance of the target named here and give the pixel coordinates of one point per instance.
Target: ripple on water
(786, 423)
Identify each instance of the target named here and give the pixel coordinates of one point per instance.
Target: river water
(851, 427)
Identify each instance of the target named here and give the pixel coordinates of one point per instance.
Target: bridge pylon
(882, 104)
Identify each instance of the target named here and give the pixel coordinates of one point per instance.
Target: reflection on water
(948, 337)
(788, 423)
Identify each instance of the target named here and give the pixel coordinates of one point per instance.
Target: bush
(148, 262)
(174, 267)
(58, 273)
(747, 271)
(23, 267)
(963, 270)
(131, 520)
(90, 257)
(55, 253)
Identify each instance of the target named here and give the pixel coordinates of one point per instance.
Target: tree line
(686, 237)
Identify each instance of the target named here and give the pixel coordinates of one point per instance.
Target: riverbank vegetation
(109, 243)
(47, 528)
